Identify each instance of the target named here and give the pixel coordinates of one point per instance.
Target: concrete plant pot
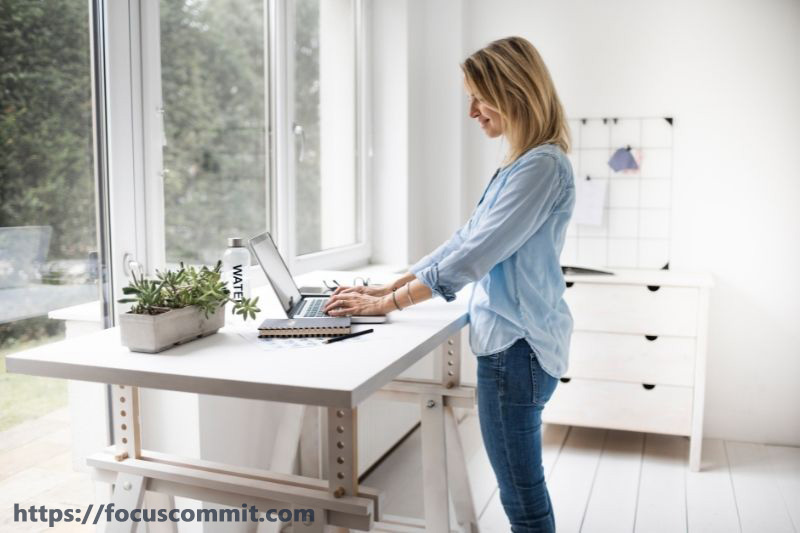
(155, 333)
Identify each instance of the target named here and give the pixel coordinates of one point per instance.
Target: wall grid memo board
(637, 216)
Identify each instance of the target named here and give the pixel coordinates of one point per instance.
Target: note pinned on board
(590, 199)
(623, 160)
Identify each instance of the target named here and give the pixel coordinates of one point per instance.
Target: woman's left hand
(354, 303)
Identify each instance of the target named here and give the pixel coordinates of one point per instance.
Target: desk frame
(338, 502)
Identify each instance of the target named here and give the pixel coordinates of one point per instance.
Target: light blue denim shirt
(510, 247)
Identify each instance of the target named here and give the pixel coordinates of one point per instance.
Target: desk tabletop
(234, 363)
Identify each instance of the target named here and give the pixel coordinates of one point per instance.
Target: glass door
(54, 240)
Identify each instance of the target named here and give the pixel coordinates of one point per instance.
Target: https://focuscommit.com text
(110, 513)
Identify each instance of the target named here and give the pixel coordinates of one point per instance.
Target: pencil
(349, 336)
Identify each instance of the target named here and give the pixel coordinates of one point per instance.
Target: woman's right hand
(371, 290)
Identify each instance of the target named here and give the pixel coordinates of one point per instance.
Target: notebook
(304, 327)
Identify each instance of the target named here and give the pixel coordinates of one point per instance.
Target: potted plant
(177, 307)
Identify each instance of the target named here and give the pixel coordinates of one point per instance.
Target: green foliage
(175, 289)
(213, 85)
(29, 330)
(26, 397)
(46, 148)
(213, 59)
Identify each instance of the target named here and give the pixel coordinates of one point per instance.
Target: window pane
(212, 63)
(48, 243)
(325, 125)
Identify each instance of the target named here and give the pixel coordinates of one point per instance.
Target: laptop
(295, 304)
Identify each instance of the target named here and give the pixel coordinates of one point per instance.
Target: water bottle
(235, 262)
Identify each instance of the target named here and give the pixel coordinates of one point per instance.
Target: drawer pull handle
(653, 288)
(648, 386)
(651, 337)
(570, 284)
(565, 380)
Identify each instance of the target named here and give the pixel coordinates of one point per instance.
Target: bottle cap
(235, 242)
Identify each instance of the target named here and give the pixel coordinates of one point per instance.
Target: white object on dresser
(638, 354)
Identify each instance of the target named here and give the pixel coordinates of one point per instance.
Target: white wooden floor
(600, 481)
(616, 481)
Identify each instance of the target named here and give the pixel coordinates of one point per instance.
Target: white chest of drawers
(638, 354)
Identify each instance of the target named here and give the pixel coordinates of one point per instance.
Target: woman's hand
(371, 290)
(355, 302)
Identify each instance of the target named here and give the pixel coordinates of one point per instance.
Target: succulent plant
(188, 285)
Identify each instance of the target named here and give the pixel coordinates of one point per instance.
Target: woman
(510, 246)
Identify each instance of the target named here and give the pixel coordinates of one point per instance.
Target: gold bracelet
(408, 293)
(394, 299)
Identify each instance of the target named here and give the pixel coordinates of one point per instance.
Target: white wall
(436, 105)
(417, 104)
(729, 72)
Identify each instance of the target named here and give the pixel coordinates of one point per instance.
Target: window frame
(125, 133)
(153, 122)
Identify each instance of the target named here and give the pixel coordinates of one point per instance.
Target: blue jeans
(512, 390)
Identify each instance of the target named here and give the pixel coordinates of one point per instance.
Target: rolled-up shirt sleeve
(522, 206)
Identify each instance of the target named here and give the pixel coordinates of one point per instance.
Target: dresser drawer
(632, 358)
(615, 405)
(634, 309)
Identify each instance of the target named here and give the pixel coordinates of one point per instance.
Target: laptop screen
(277, 273)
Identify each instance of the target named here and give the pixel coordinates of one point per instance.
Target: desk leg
(128, 495)
(342, 454)
(125, 415)
(157, 500)
(129, 489)
(460, 490)
(317, 526)
(434, 465)
(285, 452)
(451, 362)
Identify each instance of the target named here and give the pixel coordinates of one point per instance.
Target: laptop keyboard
(313, 307)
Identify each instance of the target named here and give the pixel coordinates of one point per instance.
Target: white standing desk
(338, 376)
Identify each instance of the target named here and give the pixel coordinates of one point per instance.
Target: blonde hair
(509, 75)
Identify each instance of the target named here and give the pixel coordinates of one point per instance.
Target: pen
(349, 336)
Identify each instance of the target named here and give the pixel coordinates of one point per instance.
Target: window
(318, 112)
(214, 118)
(324, 124)
(253, 118)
